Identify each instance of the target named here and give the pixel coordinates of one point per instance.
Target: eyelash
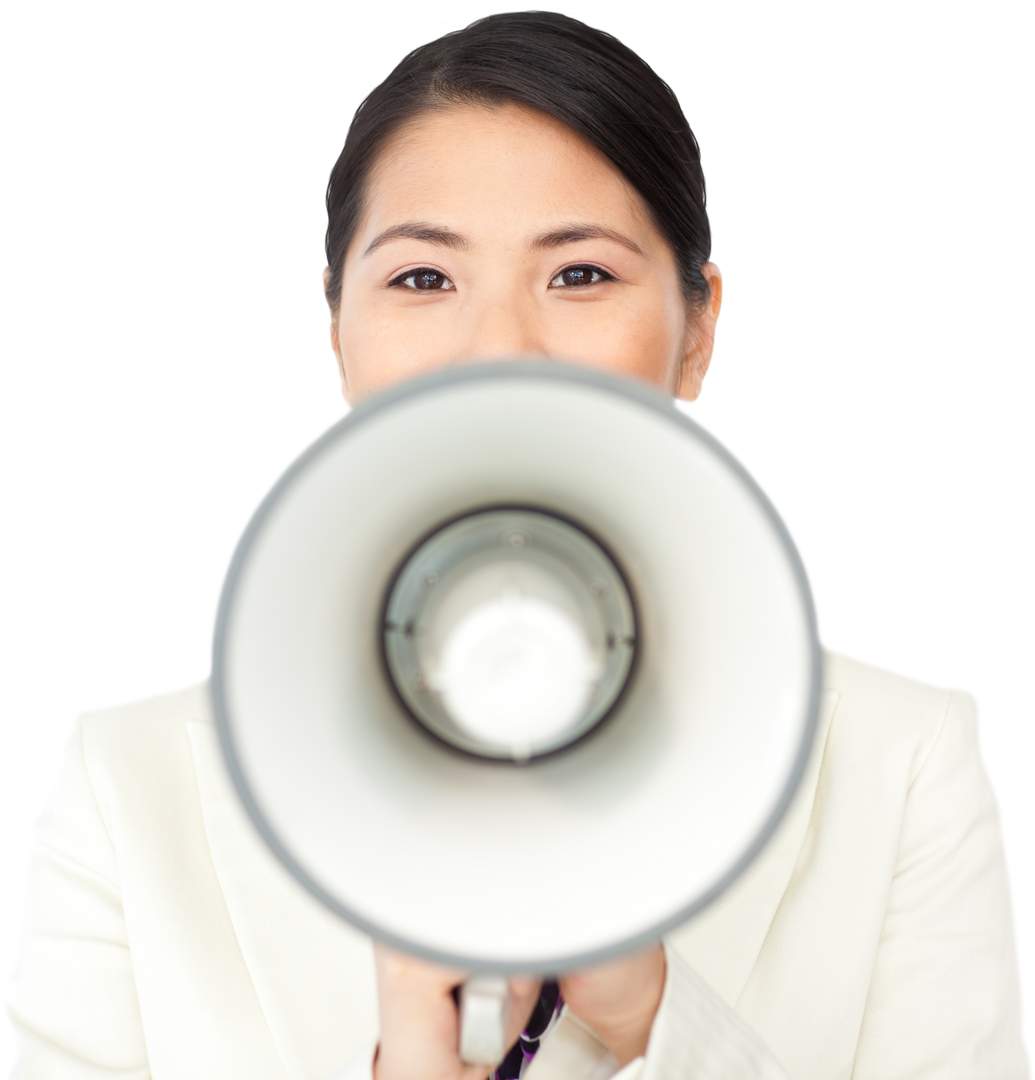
(398, 282)
(409, 275)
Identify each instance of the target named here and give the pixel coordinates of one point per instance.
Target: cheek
(383, 343)
(366, 352)
(658, 335)
(365, 331)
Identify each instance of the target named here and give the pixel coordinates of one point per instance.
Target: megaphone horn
(505, 607)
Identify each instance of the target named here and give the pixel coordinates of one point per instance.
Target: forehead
(508, 166)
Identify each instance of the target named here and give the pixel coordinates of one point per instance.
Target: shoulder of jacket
(152, 717)
(131, 754)
(888, 710)
(885, 688)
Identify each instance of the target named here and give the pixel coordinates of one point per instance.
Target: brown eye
(428, 279)
(578, 276)
(425, 279)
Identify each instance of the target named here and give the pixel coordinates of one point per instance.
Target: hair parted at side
(582, 77)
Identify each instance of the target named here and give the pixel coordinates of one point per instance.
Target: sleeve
(697, 1036)
(943, 999)
(74, 999)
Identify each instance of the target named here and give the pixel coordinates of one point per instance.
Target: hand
(619, 1000)
(420, 1024)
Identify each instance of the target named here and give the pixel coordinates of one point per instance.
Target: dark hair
(582, 77)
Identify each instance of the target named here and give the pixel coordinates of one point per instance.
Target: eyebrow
(436, 234)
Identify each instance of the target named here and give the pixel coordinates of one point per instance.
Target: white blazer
(871, 939)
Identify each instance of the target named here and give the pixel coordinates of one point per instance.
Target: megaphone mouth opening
(509, 633)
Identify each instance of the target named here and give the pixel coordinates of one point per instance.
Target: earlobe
(695, 364)
(700, 337)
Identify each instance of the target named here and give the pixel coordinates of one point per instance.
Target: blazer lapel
(723, 942)
(313, 974)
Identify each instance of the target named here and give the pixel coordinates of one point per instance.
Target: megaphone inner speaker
(509, 633)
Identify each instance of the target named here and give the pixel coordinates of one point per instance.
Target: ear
(700, 337)
(335, 341)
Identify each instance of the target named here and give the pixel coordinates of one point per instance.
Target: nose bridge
(500, 328)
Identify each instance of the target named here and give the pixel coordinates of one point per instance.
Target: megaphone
(504, 637)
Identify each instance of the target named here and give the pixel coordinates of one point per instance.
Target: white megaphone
(504, 639)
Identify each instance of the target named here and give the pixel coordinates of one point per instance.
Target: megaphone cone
(516, 668)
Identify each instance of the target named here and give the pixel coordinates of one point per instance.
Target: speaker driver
(509, 634)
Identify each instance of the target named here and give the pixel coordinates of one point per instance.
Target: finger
(524, 993)
(401, 970)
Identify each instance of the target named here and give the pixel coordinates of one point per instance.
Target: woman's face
(493, 233)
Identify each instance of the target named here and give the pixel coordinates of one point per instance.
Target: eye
(579, 276)
(423, 279)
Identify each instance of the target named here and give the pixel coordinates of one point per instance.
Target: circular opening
(509, 633)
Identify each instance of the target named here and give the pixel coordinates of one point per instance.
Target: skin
(492, 205)
(529, 244)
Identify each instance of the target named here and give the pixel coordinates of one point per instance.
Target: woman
(527, 187)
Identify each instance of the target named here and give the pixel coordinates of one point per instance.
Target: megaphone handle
(484, 1013)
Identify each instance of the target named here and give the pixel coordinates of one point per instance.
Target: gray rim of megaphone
(506, 370)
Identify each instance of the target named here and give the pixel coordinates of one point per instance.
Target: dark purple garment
(547, 1007)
